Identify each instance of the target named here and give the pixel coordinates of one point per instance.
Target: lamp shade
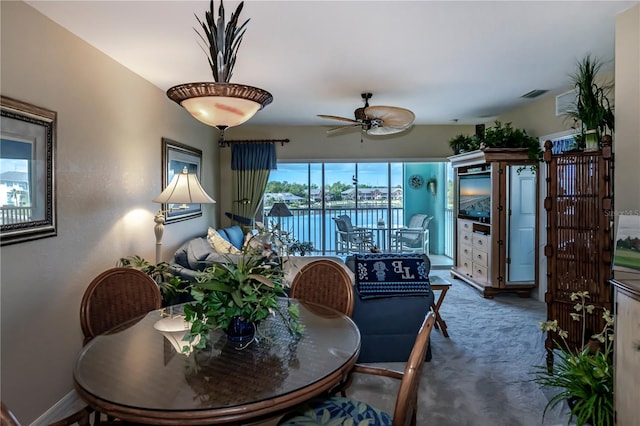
(184, 188)
(280, 210)
(220, 105)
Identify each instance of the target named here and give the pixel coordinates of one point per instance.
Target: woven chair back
(326, 283)
(6, 416)
(407, 400)
(116, 297)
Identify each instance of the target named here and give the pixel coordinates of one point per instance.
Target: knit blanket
(389, 274)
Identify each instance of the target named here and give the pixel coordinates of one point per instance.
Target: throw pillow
(252, 241)
(219, 244)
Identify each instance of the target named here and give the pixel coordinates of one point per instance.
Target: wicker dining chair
(115, 297)
(339, 410)
(324, 282)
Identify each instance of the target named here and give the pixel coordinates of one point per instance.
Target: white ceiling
(444, 60)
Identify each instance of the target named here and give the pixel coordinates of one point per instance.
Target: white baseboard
(69, 404)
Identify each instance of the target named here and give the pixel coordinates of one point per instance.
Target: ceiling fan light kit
(376, 120)
(221, 104)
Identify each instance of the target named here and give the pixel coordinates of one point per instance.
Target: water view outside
(369, 193)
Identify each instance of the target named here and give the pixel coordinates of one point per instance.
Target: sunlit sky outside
(372, 174)
(11, 165)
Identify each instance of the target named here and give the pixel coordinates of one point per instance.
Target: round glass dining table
(135, 373)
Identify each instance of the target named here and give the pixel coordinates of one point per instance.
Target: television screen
(475, 196)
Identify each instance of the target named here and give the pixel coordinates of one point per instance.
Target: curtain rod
(225, 142)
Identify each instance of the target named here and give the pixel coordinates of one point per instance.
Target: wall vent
(534, 93)
(565, 102)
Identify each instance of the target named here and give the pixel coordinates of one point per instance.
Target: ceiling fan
(376, 120)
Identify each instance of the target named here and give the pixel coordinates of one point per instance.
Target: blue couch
(196, 254)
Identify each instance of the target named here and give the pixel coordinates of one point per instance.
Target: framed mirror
(27, 172)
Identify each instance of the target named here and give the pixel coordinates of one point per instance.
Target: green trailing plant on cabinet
(498, 136)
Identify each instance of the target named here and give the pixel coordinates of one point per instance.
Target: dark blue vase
(240, 330)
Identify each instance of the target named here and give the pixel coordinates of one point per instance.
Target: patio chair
(350, 239)
(414, 237)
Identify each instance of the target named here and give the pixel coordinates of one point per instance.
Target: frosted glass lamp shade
(220, 105)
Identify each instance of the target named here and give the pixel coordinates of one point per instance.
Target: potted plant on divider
(584, 376)
(236, 295)
(592, 111)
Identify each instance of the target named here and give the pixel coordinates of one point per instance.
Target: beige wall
(627, 137)
(110, 125)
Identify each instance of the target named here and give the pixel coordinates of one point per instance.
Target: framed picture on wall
(175, 157)
(27, 172)
(627, 252)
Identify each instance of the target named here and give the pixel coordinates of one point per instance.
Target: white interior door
(521, 225)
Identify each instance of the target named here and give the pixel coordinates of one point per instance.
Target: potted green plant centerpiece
(592, 111)
(237, 294)
(173, 288)
(585, 375)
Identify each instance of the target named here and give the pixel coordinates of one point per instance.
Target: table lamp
(279, 210)
(183, 189)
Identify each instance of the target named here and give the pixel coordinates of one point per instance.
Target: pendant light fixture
(221, 104)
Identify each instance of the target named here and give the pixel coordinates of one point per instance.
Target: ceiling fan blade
(335, 117)
(380, 131)
(392, 117)
(336, 129)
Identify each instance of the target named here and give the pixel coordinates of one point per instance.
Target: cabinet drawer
(466, 265)
(465, 225)
(480, 257)
(465, 250)
(479, 272)
(480, 241)
(465, 237)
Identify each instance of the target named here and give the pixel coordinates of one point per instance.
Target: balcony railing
(317, 224)
(10, 215)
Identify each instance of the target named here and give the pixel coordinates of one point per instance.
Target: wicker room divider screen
(579, 250)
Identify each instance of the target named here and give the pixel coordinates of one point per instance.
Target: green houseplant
(172, 287)
(584, 376)
(244, 289)
(499, 136)
(592, 111)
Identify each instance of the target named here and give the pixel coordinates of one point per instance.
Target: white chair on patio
(351, 239)
(414, 238)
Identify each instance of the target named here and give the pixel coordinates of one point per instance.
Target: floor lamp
(183, 189)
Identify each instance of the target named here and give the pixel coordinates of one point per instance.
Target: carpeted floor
(481, 374)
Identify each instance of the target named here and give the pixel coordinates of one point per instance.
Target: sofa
(197, 253)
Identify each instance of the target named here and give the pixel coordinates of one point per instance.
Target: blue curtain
(251, 164)
(253, 156)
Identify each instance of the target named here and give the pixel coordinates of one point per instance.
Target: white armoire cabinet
(496, 220)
